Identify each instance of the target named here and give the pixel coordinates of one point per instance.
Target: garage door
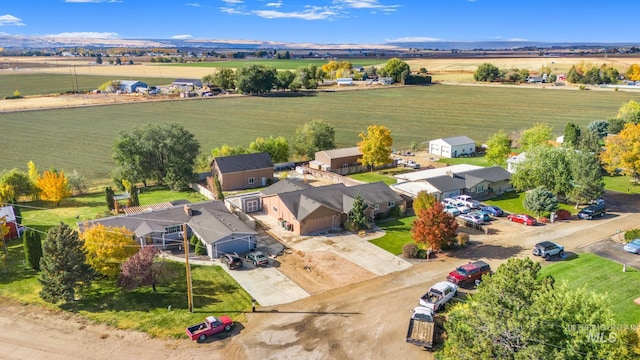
(233, 246)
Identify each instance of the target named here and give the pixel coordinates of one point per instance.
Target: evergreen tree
(134, 196)
(109, 197)
(218, 189)
(32, 244)
(357, 216)
(63, 265)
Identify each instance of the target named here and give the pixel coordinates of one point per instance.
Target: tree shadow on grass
(474, 252)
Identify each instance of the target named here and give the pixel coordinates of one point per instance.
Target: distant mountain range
(42, 42)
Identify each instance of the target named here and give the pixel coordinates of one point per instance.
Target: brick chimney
(187, 209)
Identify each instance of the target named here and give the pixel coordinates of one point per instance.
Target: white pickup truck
(468, 201)
(438, 295)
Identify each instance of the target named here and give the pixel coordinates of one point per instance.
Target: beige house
(342, 161)
(246, 171)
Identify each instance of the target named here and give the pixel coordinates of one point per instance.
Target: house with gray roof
(210, 221)
(452, 147)
(323, 208)
(246, 171)
(479, 182)
(131, 86)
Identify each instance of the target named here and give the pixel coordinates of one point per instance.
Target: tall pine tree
(63, 265)
(357, 217)
(32, 244)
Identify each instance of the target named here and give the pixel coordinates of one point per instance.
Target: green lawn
(512, 202)
(283, 64)
(39, 84)
(214, 293)
(475, 160)
(622, 184)
(82, 138)
(398, 233)
(605, 277)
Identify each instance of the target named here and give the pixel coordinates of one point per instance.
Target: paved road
(612, 250)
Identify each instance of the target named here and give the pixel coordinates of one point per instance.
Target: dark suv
(547, 249)
(232, 262)
(592, 211)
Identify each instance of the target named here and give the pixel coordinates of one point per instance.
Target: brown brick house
(246, 171)
(323, 208)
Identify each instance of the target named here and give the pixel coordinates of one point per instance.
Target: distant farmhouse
(131, 86)
(452, 147)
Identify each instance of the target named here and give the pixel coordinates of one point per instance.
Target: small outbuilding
(192, 84)
(452, 147)
(131, 86)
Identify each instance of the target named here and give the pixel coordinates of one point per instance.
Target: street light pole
(188, 267)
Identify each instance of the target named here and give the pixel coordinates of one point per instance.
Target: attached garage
(232, 245)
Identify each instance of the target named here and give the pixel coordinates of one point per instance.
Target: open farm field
(81, 138)
(284, 64)
(44, 83)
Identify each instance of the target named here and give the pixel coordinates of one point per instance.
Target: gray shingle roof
(447, 183)
(210, 219)
(458, 140)
(494, 173)
(244, 162)
(283, 186)
(336, 197)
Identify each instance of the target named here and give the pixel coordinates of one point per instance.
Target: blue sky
(324, 22)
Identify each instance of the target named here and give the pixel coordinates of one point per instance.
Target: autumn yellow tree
(622, 151)
(375, 146)
(108, 247)
(7, 193)
(54, 186)
(33, 177)
(633, 73)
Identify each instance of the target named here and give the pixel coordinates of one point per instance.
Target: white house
(512, 162)
(452, 147)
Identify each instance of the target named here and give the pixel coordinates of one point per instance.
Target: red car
(522, 218)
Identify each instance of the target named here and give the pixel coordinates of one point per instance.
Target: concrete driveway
(345, 244)
(612, 250)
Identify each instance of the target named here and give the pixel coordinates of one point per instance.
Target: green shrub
(631, 235)
(410, 251)
(462, 239)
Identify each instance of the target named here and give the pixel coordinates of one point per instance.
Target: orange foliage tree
(54, 186)
(108, 247)
(623, 152)
(434, 227)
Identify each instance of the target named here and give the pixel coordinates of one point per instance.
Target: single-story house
(219, 230)
(451, 181)
(246, 171)
(513, 161)
(131, 86)
(8, 217)
(452, 147)
(187, 83)
(342, 161)
(316, 209)
(344, 81)
(385, 80)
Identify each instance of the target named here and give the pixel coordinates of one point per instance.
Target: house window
(391, 204)
(173, 229)
(376, 207)
(345, 166)
(251, 181)
(480, 188)
(275, 209)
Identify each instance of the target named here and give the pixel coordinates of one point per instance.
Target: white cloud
(182, 37)
(274, 4)
(313, 13)
(233, 1)
(412, 39)
(10, 20)
(364, 4)
(93, 1)
(85, 35)
(192, 4)
(232, 11)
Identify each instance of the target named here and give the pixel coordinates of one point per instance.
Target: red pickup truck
(212, 325)
(468, 274)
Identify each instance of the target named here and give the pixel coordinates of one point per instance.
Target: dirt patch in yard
(319, 271)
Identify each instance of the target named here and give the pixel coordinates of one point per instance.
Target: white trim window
(391, 204)
(251, 180)
(376, 207)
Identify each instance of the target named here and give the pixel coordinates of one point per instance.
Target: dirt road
(364, 320)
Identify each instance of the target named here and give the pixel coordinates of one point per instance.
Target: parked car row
(233, 262)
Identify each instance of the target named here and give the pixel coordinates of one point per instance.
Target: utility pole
(186, 260)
